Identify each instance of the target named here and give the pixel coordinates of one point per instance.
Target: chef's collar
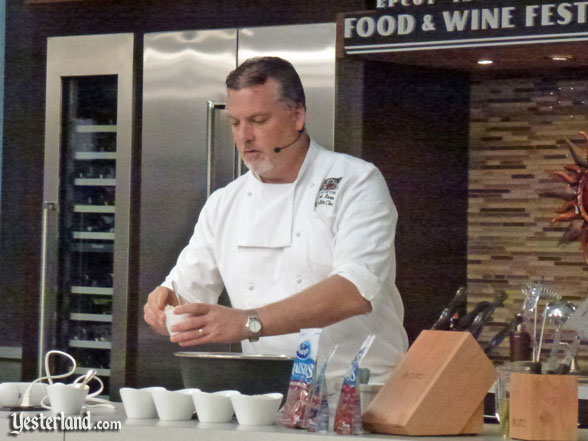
(266, 215)
(309, 159)
(268, 224)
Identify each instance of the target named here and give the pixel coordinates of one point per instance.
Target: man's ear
(300, 113)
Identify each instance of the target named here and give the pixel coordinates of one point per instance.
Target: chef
(305, 239)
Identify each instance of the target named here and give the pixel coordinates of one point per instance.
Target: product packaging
(348, 416)
(317, 411)
(301, 380)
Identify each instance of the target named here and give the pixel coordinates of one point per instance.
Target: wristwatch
(253, 326)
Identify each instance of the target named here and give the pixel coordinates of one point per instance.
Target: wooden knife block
(438, 388)
(543, 407)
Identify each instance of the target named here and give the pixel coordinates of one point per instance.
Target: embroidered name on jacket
(327, 192)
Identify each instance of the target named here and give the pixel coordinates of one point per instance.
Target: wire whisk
(533, 293)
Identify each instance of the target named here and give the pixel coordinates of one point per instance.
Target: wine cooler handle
(212, 106)
(47, 207)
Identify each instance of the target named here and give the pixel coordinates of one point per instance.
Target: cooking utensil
(571, 351)
(558, 313)
(444, 320)
(176, 292)
(503, 333)
(530, 309)
(467, 320)
(485, 314)
(537, 355)
(549, 294)
(532, 294)
(248, 373)
(83, 381)
(579, 320)
(579, 323)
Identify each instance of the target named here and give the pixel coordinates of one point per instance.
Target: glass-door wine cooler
(86, 209)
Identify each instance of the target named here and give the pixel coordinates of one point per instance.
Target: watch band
(253, 326)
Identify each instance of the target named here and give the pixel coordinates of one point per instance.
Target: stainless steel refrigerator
(187, 147)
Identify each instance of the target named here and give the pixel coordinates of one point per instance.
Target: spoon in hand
(175, 288)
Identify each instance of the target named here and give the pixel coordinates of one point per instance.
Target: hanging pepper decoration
(575, 207)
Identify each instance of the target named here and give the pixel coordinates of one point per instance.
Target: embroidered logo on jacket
(327, 192)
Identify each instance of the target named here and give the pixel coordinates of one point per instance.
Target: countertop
(156, 430)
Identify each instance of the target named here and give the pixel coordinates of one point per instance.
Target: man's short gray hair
(256, 71)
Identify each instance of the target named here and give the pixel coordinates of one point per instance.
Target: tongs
(444, 320)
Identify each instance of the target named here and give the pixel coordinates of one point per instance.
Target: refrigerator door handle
(212, 106)
(47, 208)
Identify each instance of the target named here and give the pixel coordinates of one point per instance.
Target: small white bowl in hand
(139, 403)
(214, 407)
(256, 410)
(174, 405)
(172, 319)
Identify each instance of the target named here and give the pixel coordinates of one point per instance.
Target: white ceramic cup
(11, 394)
(139, 403)
(36, 394)
(214, 407)
(171, 319)
(256, 410)
(66, 398)
(173, 405)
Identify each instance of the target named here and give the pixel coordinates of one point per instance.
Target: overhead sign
(410, 25)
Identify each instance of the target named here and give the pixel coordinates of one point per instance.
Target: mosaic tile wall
(516, 141)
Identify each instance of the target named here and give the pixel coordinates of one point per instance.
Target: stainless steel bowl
(248, 373)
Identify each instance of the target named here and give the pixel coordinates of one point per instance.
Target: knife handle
(467, 320)
(444, 320)
(502, 334)
(535, 367)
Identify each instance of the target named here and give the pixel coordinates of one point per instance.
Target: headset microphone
(279, 149)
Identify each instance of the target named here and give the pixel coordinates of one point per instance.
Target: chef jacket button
(249, 193)
(251, 287)
(299, 280)
(298, 234)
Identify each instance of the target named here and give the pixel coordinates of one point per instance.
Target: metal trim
(232, 356)
(47, 207)
(210, 108)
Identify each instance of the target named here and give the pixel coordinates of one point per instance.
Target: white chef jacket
(266, 242)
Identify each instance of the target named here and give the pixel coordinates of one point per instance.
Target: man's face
(261, 122)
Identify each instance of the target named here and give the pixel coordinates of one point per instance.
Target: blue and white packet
(303, 373)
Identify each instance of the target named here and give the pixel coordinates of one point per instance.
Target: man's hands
(153, 309)
(209, 324)
(334, 299)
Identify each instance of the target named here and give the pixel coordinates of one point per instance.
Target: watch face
(254, 325)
